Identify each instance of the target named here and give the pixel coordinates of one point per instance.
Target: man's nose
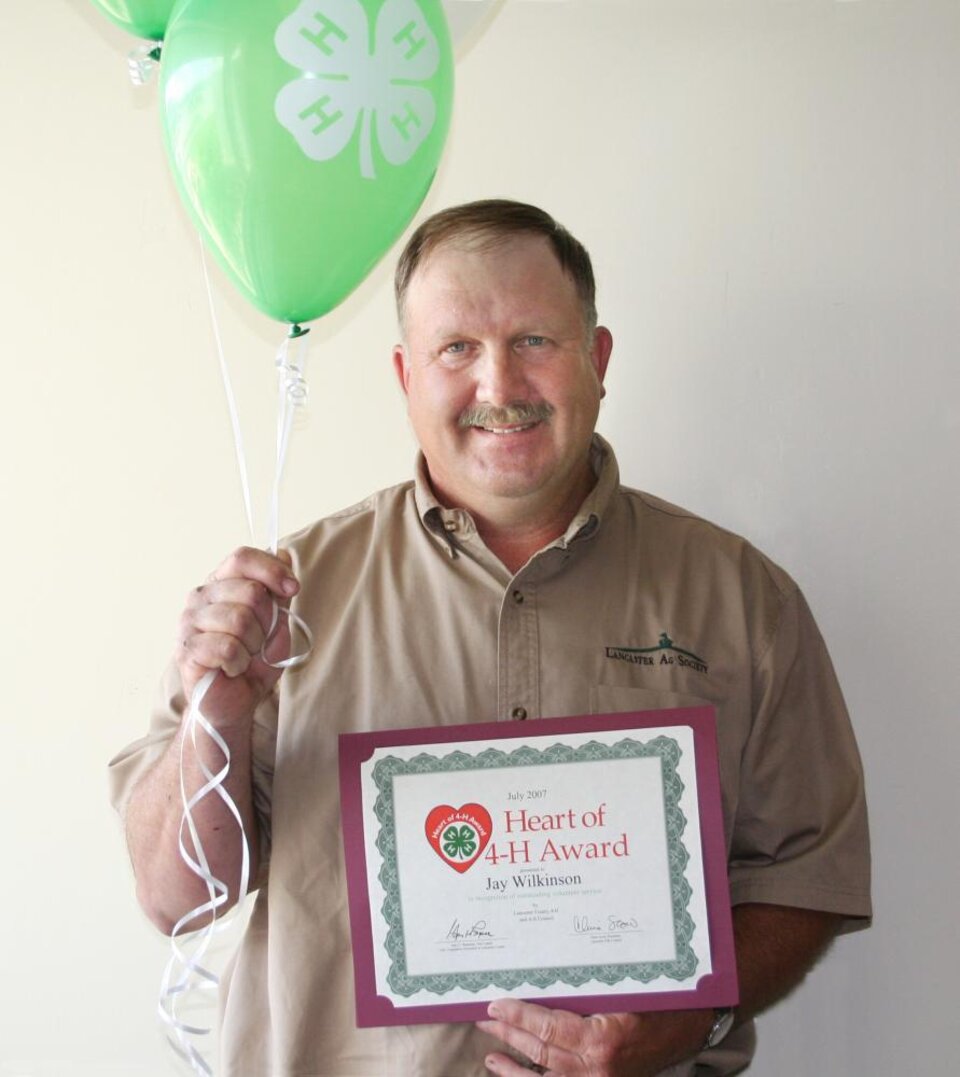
(501, 379)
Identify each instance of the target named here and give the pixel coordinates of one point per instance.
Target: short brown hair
(491, 221)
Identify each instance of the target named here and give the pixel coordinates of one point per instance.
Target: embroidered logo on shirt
(666, 653)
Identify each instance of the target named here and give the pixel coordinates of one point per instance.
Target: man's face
(501, 328)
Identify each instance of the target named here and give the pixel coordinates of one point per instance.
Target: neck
(514, 550)
(516, 537)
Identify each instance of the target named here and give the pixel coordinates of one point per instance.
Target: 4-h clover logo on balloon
(303, 135)
(351, 75)
(458, 835)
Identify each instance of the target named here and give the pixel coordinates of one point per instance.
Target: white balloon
(468, 19)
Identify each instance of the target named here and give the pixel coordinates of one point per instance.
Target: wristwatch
(721, 1026)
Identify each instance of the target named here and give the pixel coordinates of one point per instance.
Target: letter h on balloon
(317, 111)
(407, 34)
(403, 123)
(326, 28)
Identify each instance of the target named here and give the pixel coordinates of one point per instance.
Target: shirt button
(520, 713)
(518, 597)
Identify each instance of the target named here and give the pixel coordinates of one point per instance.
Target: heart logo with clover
(458, 835)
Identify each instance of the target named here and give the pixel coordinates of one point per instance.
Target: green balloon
(145, 18)
(303, 137)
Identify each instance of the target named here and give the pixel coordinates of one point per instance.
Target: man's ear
(401, 367)
(600, 353)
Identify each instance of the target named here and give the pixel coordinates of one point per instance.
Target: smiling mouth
(510, 419)
(499, 430)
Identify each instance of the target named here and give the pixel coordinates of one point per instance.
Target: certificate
(575, 862)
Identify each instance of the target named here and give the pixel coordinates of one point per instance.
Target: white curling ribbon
(291, 394)
(296, 621)
(231, 399)
(185, 972)
(142, 63)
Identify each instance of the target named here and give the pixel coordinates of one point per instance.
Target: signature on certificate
(584, 925)
(477, 930)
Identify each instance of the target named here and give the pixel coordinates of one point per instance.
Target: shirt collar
(455, 523)
(590, 514)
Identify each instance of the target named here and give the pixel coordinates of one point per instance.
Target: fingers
(540, 1022)
(236, 606)
(563, 1044)
(504, 1066)
(273, 571)
(544, 1035)
(227, 620)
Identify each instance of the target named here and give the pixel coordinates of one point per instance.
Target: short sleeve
(800, 836)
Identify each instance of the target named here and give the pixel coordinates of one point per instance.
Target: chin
(509, 486)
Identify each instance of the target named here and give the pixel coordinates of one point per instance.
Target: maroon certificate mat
(575, 862)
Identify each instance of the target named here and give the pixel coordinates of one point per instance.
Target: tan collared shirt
(639, 605)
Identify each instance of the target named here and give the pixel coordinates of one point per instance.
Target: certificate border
(682, 967)
(718, 988)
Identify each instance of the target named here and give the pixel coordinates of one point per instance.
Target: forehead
(505, 279)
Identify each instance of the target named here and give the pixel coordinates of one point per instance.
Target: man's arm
(776, 946)
(223, 628)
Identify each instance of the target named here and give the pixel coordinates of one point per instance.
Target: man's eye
(533, 340)
(457, 347)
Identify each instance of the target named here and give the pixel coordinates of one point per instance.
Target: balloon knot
(297, 331)
(142, 63)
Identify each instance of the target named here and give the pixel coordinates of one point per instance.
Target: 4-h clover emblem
(460, 843)
(358, 72)
(458, 835)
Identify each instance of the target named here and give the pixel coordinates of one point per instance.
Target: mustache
(507, 415)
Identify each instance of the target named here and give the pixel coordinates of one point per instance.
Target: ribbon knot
(142, 63)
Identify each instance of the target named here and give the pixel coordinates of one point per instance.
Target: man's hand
(563, 1044)
(776, 946)
(224, 626)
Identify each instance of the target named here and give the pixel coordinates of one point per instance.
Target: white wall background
(771, 192)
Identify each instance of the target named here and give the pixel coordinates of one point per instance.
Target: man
(506, 582)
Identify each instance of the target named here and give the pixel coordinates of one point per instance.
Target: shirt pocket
(620, 698)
